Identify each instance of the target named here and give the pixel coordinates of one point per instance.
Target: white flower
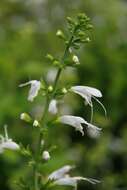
(60, 173)
(74, 121)
(46, 155)
(61, 177)
(35, 87)
(53, 107)
(9, 144)
(72, 181)
(6, 143)
(88, 93)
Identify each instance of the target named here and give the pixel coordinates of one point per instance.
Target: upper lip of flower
(86, 92)
(60, 173)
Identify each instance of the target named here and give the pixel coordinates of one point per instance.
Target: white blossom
(77, 122)
(9, 144)
(46, 155)
(60, 173)
(88, 93)
(6, 143)
(74, 121)
(61, 177)
(53, 106)
(35, 87)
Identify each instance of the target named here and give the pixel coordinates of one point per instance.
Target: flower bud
(50, 57)
(46, 155)
(87, 39)
(60, 34)
(75, 60)
(50, 88)
(25, 117)
(64, 90)
(36, 123)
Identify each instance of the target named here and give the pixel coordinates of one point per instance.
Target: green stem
(48, 99)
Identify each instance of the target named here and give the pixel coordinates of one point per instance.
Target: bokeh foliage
(27, 33)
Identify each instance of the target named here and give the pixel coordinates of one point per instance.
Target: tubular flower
(53, 107)
(77, 122)
(60, 173)
(6, 143)
(61, 177)
(86, 92)
(74, 121)
(34, 89)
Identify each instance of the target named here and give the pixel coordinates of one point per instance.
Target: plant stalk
(43, 122)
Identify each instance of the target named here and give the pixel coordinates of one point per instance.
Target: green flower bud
(36, 123)
(75, 59)
(87, 40)
(89, 26)
(50, 88)
(60, 34)
(25, 117)
(50, 57)
(70, 20)
(64, 90)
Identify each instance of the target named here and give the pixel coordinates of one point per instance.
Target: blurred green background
(27, 33)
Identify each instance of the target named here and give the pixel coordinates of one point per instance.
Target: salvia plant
(79, 30)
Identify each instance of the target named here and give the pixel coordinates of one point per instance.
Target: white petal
(93, 91)
(86, 92)
(53, 107)
(60, 173)
(74, 121)
(9, 144)
(34, 89)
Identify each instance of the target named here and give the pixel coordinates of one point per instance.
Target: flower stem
(43, 122)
